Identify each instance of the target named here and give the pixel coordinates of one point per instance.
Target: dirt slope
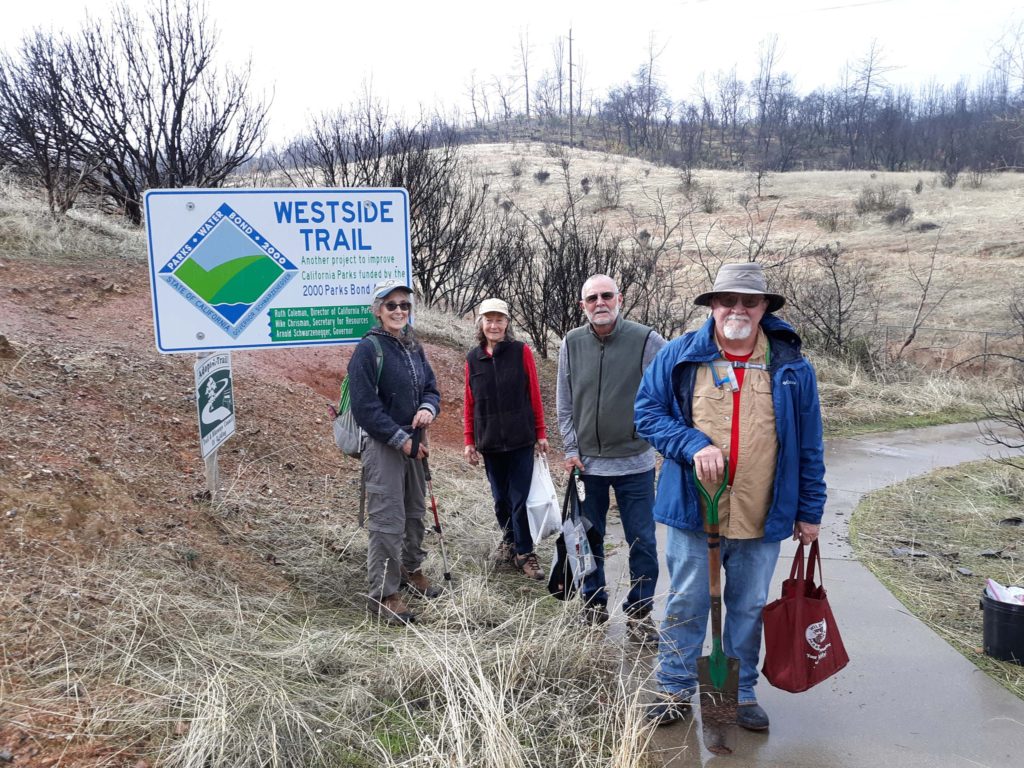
(99, 453)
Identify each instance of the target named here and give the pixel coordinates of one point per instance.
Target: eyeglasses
(606, 295)
(391, 306)
(730, 299)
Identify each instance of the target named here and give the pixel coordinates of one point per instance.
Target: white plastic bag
(542, 502)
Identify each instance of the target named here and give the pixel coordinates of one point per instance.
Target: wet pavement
(906, 698)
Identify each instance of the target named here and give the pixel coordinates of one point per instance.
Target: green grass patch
(924, 540)
(951, 415)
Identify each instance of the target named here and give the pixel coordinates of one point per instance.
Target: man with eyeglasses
(737, 390)
(600, 366)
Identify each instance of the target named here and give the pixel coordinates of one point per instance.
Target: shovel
(718, 674)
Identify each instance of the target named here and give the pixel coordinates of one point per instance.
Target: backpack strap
(379, 355)
(379, 363)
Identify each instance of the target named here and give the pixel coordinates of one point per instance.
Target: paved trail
(907, 699)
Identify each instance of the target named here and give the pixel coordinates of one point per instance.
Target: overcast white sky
(315, 54)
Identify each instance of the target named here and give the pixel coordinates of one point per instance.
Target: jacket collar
(499, 348)
(784, 341)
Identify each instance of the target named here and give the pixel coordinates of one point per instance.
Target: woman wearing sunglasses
(503, 420)
(394, 399)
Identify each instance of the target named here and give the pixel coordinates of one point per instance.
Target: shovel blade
(717, 702)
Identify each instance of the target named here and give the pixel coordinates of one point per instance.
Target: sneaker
(392, 609)
(418, 583)
(529, 566)
(641, 629)
(752, 717)
(595, 614)
(505, 554)
(668, 708)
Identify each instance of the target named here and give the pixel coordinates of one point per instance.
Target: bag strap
(379, 362)
(796, 571)
(570, 492)
(814, 558)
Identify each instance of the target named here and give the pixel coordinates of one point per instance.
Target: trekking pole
(437, 521)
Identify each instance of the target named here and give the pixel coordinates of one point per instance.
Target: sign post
(215, 404)
(263, 268)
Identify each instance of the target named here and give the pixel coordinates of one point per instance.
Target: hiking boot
(393, 610)
(505, 554)
(418, 583)
(595, 614)
(668, 708)
(529, 566)
(752, 717)
(641, 629)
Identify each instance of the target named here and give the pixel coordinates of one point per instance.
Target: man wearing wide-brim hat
(737, 389)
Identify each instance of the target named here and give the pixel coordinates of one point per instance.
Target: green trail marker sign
(215, 401)
(257, 268)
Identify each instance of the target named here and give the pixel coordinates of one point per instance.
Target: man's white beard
(737, 328)
(603, 319)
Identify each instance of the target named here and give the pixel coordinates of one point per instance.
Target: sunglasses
(731, 299)
(606, 295)
(391, 306)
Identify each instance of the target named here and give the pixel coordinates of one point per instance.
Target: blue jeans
(510, 474)
(635, 496)
(749, 564)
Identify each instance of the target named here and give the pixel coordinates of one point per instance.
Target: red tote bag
(802, 645)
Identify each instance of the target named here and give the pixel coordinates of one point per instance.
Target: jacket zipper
(497, 392)
(597, 411)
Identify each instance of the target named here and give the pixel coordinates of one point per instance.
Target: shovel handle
(714, 551)
(712, 501)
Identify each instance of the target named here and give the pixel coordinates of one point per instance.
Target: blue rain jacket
(663, 413)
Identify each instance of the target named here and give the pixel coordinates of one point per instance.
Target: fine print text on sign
(251, 268)
(215, 401)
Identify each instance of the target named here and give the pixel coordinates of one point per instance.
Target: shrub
(541, 176)
(743, 198)
(609, 190)
(515, 167)
(948, 177)
(901, 214)
(831, 220)
(709, 201)
(545, 217)
(975, 179)
(918, 187)
(585, 185)
(686, 182)
(881, 198)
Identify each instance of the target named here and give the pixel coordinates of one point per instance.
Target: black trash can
(1003, 629)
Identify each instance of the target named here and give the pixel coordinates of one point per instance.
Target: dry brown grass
(978, 240)
(924, 540)
(173, 649)
(177, 660)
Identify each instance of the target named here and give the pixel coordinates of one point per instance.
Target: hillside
(106, 528)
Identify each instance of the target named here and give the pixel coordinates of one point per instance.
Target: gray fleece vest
(604, 375)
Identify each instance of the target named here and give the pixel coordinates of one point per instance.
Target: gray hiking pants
(396, 491)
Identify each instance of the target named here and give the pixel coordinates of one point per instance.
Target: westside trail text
(334, 212)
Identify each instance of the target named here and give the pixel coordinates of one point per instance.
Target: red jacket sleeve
(467, 413)
(534, 385)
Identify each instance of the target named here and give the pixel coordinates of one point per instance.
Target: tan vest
(743, 507)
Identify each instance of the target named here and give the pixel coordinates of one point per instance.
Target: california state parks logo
(816, 635)
(228, 271)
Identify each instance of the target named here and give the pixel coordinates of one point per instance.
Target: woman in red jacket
(504, 422)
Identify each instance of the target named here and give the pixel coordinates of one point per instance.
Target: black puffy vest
(503, 417)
